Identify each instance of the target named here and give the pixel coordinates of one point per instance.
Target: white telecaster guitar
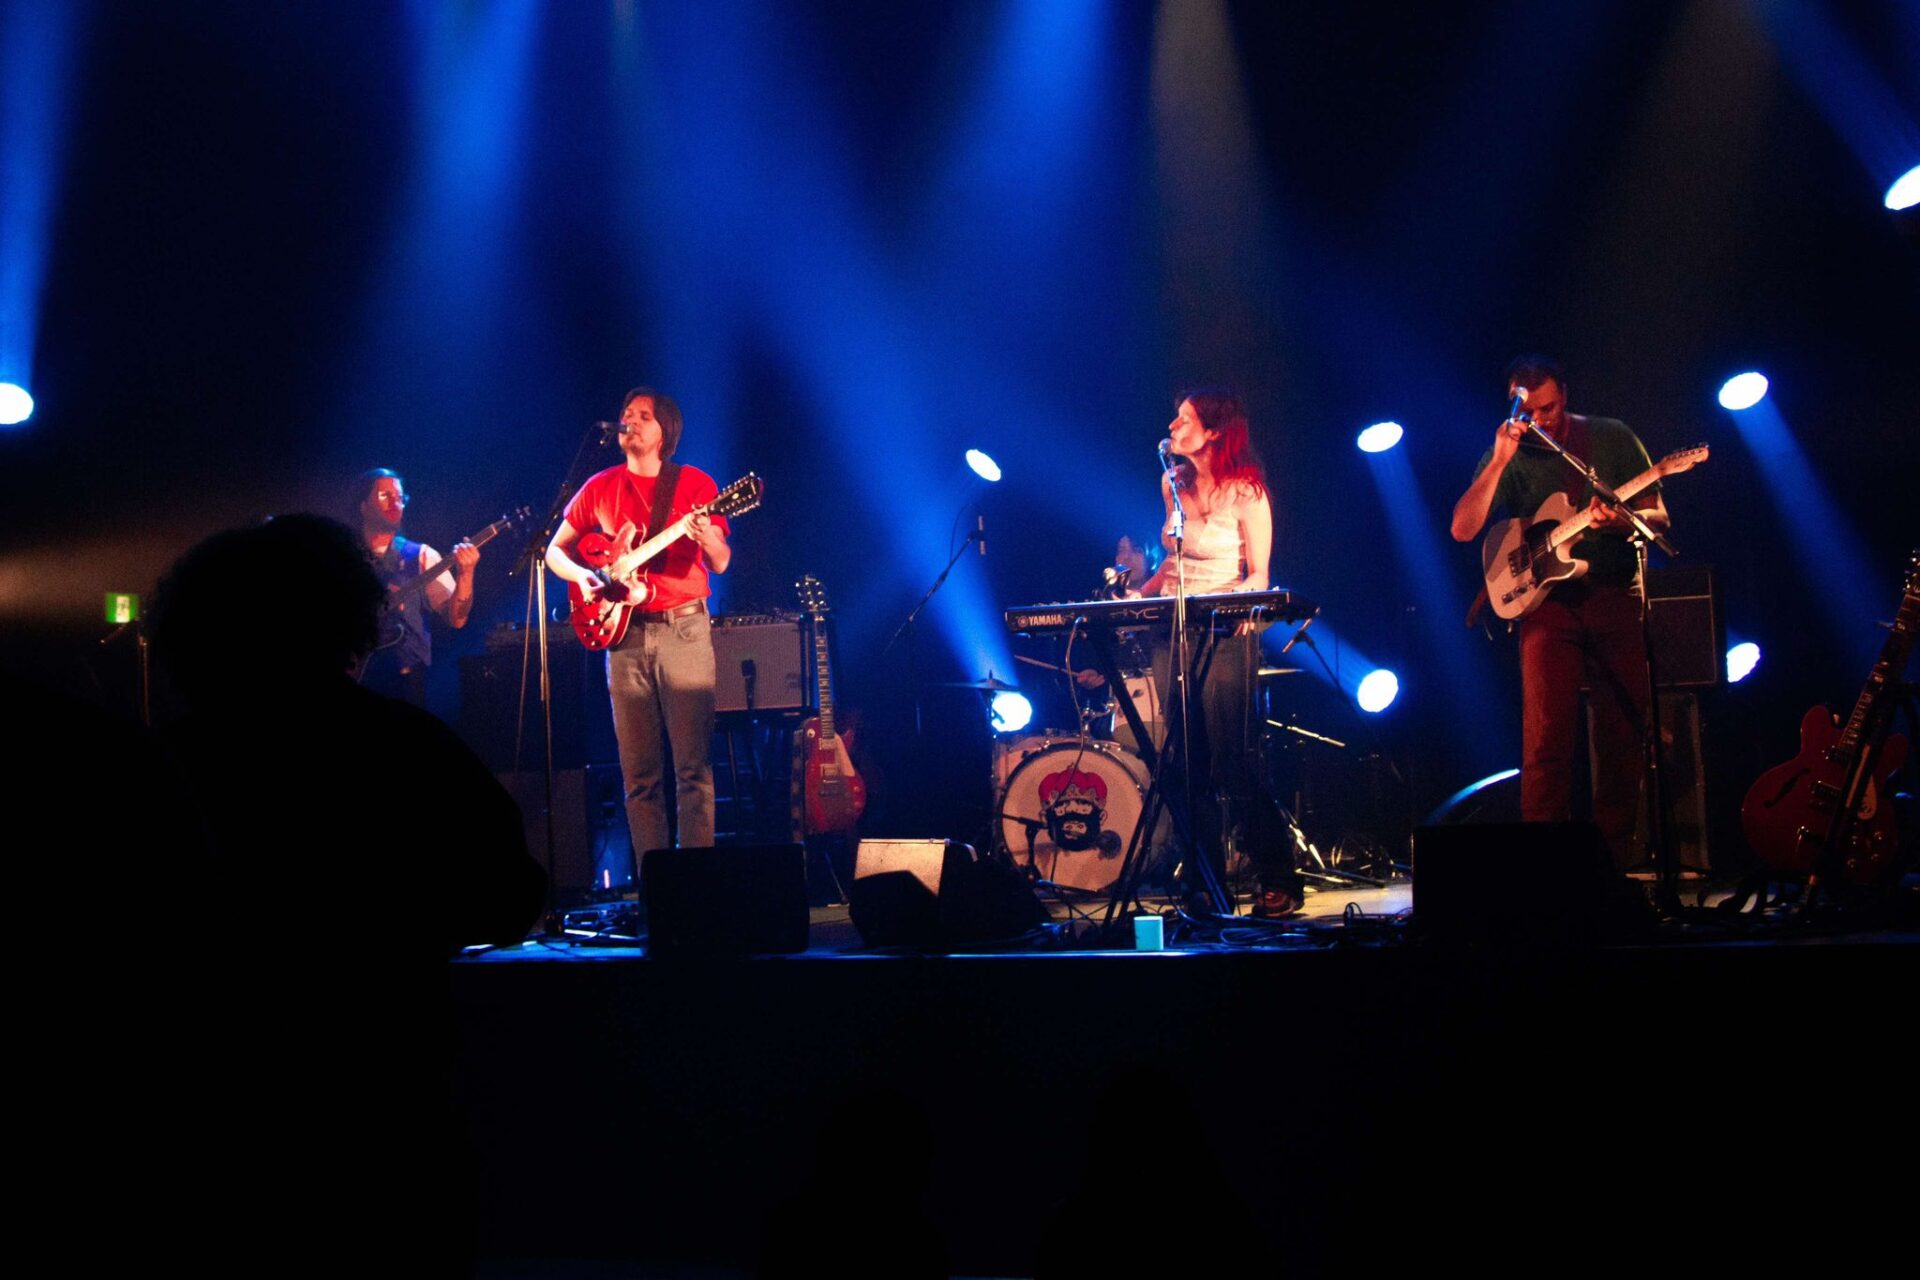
(1524, 559)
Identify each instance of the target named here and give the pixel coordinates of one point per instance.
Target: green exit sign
(122, 608)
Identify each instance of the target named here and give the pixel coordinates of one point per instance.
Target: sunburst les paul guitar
(1829, 804)
(835, 795)
(1523, 560)
(601, 622)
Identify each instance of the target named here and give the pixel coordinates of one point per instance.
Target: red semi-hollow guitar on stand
(1826, 813)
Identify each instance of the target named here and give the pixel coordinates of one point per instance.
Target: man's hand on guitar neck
(1602, 518)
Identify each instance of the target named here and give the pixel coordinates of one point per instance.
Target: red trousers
(1584, 635)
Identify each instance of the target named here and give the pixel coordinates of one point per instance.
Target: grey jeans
(661, 681)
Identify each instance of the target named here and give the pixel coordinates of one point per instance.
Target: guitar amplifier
(1689, 633)
(760, 664)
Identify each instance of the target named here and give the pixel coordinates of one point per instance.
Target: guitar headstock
(741, 496)
(1682, 460)
(813, 596)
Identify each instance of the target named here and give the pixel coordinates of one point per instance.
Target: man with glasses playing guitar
(1586, 628)
(398, 667)
(660, 665)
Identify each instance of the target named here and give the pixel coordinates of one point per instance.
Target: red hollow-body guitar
(835, 795)
(1829, 804)
(602, 623)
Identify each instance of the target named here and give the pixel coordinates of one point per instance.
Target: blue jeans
(661, 679)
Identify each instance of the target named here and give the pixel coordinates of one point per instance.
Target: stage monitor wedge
(733, 900)
(937, 894)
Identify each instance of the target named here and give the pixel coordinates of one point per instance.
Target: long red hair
(1234, 459)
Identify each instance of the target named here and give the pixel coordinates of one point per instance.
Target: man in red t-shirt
(661, 674)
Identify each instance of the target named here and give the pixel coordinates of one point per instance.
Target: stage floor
(1320, 1092)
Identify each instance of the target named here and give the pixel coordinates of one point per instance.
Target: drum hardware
(1356, 858)
(988, 684)
(1308, 734)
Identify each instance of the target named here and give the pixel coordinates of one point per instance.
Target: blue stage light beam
(1905, 191)
(1422, 552)
(1742, 658)
(441, 305)
(1380, 437)
(36, 62)
(1377, 690)
(1033, 108)
(1743, 391)
(983, 466)
(1832, 556)
(1843, 86)
(733, 104)
(16, 406)
(1328, 659)
(1010, 711)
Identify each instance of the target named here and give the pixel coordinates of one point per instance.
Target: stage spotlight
(1741, 660)
(1378, 690)
(16, 406)
(1743, 391)
(1380, 437)
(983, 466)
(1011, 712)
(1905, 191)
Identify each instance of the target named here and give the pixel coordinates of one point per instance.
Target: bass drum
(1069, 808)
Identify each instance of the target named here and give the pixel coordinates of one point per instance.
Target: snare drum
(1070, 806)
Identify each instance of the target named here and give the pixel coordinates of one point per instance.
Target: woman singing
(1229, 539)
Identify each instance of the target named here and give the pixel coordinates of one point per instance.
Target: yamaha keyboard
(1148, 611)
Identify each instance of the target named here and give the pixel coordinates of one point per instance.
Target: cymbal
(988, 685)
(1279, 671)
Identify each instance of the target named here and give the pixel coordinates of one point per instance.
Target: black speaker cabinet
(591, 853)
(735, 900)
(1689, 633)
(934, 894)
(760, 664)
(1516, 883)
(490, 712)
(1684, 761)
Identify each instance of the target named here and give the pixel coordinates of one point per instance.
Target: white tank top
(1216, 554)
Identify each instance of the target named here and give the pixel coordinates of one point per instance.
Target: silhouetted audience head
(292, 600)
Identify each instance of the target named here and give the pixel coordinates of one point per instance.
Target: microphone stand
(907, 625)
(532, 558)
(1667, 892)
(1178, 644)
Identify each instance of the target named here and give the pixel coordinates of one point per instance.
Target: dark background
(288, 243)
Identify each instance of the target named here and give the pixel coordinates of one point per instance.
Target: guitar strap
(1580, 445)
(663, 487)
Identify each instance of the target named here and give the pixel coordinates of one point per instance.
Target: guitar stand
(1898, 699)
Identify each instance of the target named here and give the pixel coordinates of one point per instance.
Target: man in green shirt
(1587, 631)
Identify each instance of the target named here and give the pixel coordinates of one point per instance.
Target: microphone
(1166, 462)
(980, 530)
(607, 430)
(1516, 411)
